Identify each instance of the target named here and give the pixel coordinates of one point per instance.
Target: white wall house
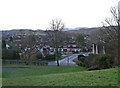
(7, 46)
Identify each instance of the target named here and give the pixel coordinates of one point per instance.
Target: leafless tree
(110, 33)
(56, 27)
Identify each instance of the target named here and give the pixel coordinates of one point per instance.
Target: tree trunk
(57, 56)
(58, 62)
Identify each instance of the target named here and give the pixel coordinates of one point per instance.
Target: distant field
(60, 76)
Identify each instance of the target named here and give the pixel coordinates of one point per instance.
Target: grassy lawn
(60, 76)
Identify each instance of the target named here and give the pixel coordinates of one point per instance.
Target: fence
(26, 62)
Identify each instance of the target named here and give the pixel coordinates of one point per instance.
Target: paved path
(65, 61)
(85, 53)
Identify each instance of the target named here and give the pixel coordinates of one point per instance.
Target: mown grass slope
(61, 76)
(39, 70)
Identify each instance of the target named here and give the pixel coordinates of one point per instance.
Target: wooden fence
(26, 62)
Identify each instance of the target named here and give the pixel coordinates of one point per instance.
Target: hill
(6, 33)
(82, 30)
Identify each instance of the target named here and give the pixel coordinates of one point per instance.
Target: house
(7, 46)
(29, 53)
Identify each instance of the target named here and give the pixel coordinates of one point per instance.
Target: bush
(79, 63)
(39, 56)
(10, 54)
(98, 61)
(106, 61)
(91, 60)
(81, 58)
(49, 57)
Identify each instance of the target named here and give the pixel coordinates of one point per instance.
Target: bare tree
(56, 27)
(110, 33)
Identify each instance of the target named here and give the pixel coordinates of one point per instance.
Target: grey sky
(36, 14)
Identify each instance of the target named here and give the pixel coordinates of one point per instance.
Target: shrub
(106, 61)
(10, 54)
(91, 60)
(39, 56)
(49, 57)
(81, 58)
(79, 63)
(98, 61)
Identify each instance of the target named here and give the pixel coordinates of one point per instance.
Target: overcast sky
(36, 14)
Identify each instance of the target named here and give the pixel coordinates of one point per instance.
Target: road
(68, 60)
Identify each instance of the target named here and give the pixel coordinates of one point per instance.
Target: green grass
(40, 70)
(60, 76)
